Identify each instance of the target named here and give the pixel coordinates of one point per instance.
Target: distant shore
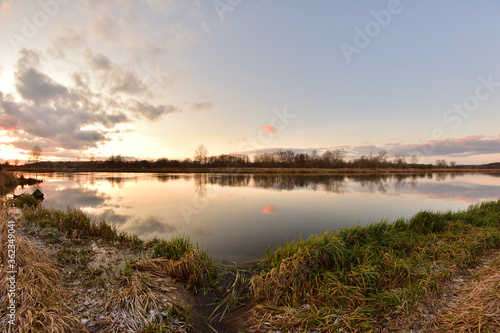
(251, 170)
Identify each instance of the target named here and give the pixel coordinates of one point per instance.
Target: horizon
(152, 79)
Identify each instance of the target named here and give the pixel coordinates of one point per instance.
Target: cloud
(38, 87)
(150, 225)
(103, 28)
(5, 8)
(72, 39)
(152, 112)
(268, 209)
(268, 128)
(75, 116)
(97, 61)
(452, 147)
(200, 106)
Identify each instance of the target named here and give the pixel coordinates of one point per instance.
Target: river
(237, 217)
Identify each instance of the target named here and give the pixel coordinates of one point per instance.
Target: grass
(345, 279)
(72, 223)
(178, 258)
(142, 301)
(183, 261)
(342, 280)
(147, 295)
(24, 200)
(42, 303)
(8, 182)
(174, 249)
(478, 305)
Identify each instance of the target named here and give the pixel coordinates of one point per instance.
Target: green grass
(174, 249)
(336, 280)
(344, 279)
(73, 223)
(24, 200)
(183, 260)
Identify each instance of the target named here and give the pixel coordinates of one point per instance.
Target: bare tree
(36, 152)
(200, 154)
(441, 163)
(414, 159)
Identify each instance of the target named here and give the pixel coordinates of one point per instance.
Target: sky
(155, 78)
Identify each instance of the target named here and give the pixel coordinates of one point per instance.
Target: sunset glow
(152, 79)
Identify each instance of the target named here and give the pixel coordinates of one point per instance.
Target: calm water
(237, 217)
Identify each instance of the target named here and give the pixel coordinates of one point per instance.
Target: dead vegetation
(8, 182)
(63, 285)
(477, 307)
(415, 275)
(42, 302)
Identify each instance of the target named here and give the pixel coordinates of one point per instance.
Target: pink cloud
(268, 209)
(268, 128)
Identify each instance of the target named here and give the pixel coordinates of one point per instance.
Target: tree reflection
(328, 183)
(201, 180)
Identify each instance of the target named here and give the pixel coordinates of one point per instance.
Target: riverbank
(254, 170)
(8, 182)
(385, 277)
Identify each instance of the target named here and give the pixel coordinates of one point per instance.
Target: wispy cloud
(200, 106)
(268, 128)
(452, 147)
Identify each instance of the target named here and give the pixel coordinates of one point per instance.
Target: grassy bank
(350, 278)
(80, 275)
(8, 182)
(356, 279)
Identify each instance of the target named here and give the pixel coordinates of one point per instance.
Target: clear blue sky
(155, 78)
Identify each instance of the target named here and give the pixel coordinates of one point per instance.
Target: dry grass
(145, 300)
(349, 278)
(47, 302)
(8, 182)
(41, 301)
(477, 308)
(192, 269)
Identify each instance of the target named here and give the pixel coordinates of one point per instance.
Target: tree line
(329, 159)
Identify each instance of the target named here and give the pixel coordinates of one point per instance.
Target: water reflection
(328, 183)
(269, 209)
(238, 216)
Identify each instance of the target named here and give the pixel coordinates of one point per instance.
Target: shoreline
(9, 182)
(380, 272)
(285, 171)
